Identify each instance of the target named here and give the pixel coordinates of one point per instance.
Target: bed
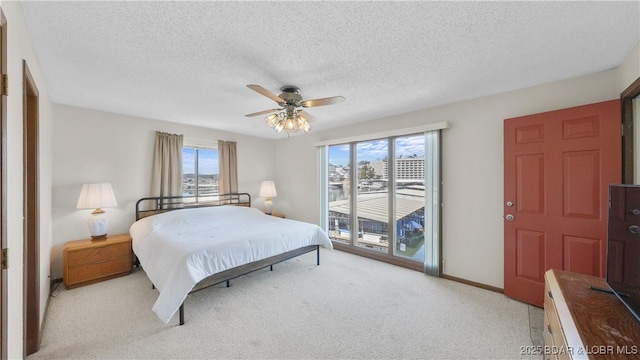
(185, 247)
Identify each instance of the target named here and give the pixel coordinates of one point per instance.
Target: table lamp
(97, 196)
(267, 191)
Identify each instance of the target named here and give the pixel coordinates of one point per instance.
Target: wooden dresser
(582, 323)
(87, 262)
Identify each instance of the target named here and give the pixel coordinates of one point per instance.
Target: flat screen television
(623, 245)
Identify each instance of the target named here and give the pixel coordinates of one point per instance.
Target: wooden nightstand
(87, 262)
(277, 214)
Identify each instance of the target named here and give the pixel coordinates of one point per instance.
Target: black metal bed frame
(169, 203)
(159, 204)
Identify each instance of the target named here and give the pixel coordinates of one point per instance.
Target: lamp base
(97, 225)
(268, 206)
(98, 237)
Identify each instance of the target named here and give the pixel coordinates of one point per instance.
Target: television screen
(623, 245)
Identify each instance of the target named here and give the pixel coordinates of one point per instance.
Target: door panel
(581, 184)
(582, 255)
(530, 250)
(579, 128)
(558, 166)
(530, 175)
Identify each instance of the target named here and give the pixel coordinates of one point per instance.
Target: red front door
(557, 169)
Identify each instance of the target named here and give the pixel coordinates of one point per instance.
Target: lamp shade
(268, 189)
(96, 196)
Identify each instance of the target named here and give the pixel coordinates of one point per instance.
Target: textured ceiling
(189, 62)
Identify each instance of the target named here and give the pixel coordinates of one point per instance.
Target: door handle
(634, 229)
(510, 217)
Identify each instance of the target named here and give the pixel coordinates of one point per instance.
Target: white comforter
(179, 248)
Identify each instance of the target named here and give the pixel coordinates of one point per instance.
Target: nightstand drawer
(87, 262)
(98, 253)
(98, 270)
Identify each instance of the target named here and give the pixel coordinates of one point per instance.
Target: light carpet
(349, 307)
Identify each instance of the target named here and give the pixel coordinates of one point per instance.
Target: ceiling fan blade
(324, 101)
(259, 89)
(263, 112)
(310, 118)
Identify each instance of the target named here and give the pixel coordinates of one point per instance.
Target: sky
(377, 150)
(207, 161)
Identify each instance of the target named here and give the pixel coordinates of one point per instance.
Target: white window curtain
(228, 171)
(432, 191)
(166, 179)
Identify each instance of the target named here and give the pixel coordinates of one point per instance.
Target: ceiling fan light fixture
(271, 120)
(279, 126)
(303, 124)
(290, 125)
(288, 118)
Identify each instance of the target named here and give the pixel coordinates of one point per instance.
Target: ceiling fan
(290, 117)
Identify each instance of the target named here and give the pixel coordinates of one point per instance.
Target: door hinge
(4, 262)
(4, 89)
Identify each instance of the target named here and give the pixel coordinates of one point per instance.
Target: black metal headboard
(155, 205)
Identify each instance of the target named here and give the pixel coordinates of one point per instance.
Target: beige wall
(629, 69)
(95, 146)
(19, 47)
(472, 151)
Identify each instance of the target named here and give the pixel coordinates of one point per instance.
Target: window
(339, 193)
(382, 197)
(372, 195)
(410, 197)
(200, 173)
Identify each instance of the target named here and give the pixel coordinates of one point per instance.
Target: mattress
(179, 248)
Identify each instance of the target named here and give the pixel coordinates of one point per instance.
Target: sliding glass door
(383, 196)
(372, 195)
(409, 197)
(339, 193)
